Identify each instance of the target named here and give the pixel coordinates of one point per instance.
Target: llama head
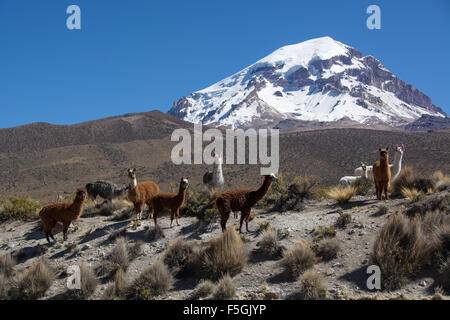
(184, 183)
(270, 177)
(81, 194)
(363, 166)
(132, 173)
(400, 149)
(384, 154)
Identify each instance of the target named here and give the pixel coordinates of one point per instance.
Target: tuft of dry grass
(328, 249)
(310, 287)
(444, 275)
(88, 283)
(179, 254)
(119, 254)
(342, 194)
(269, 244)
(32, 284)
(115, 289)
(154, 280)
(135, 249)
(441, 181)
(223, 255)
(4, 287)
(225, 289)
(297, 259)
(409, 179)
(400, 250)
(363, 186)
(7, 263)
(324, 232)
(204, 289)
(413, 195)
(19, 208)
(344, 219)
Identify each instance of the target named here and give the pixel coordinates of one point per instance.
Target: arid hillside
(40, 160)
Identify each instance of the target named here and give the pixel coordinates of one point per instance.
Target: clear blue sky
(134, 56)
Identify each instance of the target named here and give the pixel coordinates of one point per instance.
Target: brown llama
(65, 213)
(241, 200)
(170, 201)
(382, 174)
(141, 193)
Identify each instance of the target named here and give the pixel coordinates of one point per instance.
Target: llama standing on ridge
(170, 201)
(382, 174)
(65, 213)
(141, 193)
(105, 189)
(396, 166)
(241, 200)
(215, 179)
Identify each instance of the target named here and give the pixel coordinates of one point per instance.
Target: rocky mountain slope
(316, 80)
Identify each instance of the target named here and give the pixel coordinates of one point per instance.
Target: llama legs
(245, 215)
(48, 230)
(65, 229)
(223, 219)
(385, 187)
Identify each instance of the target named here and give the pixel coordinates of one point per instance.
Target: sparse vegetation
(115, 289)
(298, 259)
(32, 284)
(223, 255)
(344, 219)
(288, 193)
(88, 283)
(225, 289)
(179, 254)
(204, 289)
(444, 275)
(413, 195)
(19, 208)
(342, 194)
(401, 249)
(310, 287)
(441, 181)
(327, 249)
(409, 179)
(4, 287)
(154, 280)
(324, 232)
(7, 263)
(269, 244)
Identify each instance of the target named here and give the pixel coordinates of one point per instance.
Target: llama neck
(398, 166)
(133, 184)
(397, 161)
(181, 194)
(261, 192)
(365, 174)
(76, 207)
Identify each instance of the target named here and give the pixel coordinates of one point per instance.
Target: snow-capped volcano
(319, 79)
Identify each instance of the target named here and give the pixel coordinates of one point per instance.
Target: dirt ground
(345, 276)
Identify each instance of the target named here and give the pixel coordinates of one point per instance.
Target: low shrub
(297, 259)
(19, 208)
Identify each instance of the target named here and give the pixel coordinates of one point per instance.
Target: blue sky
(134, 56)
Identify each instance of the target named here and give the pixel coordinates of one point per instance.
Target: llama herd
(148, 193)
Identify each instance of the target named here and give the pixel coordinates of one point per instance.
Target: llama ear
(403, 147)
(134, 169)
(387, 148)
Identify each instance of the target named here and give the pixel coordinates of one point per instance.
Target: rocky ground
(345, 276)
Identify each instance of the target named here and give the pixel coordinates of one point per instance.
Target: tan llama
(241, 200)
(170, 201)
(382, 174)
(141, 193)
(65, 213)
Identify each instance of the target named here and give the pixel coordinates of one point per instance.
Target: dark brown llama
(241, 200)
